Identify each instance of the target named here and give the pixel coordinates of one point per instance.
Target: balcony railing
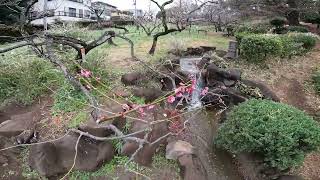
(72, 14)
(37, 15)
(79, 1)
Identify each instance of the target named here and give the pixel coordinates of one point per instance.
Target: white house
(62, 10)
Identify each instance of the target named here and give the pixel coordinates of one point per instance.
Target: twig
(75, 157)
(24, 145)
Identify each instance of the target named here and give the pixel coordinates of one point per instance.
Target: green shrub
(298, 29)
(278, 22)
(254, 29)
(24, 81)
(257, 48)
(316, 81)
(290, 47)
(307, 40)
(311, 17)
(240, 35)
(283, 135)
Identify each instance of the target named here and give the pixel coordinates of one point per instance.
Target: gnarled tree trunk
(293, 14)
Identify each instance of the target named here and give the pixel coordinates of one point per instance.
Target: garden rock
(221, 53)
(178, 148)
(208, 48)
(131, 79)
(19, 123)
(265, 90)
(194, 51)
(144, 156)
(204, 61)
(149, 94)
(54, 158)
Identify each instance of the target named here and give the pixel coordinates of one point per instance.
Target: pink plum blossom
(141, 112)
(151, 107)
(85, 73)
(205, 91)
(179, 95)
(125, 107)
(171, 99)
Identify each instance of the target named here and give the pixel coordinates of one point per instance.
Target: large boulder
(217, 76)
(145, 155)
(131, 79)
(54, 158)
(178, 148)
(19, 123)
(149, 94)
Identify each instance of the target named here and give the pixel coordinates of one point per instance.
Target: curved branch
(20, 46)
(130, 42)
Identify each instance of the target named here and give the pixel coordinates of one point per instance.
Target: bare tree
(17, 10)
(180, 19)
(148, 22)
(219, 16)
(98, 10)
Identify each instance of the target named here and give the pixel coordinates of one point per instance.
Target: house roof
(105, 4)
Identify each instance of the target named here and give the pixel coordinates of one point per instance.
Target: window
(87, 13)
(72, 12)
(80, 13)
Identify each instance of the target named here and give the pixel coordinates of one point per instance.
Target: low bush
(240, 35)
(278, 24)
(316, 80)
(254, 29)
(298, 29)
(308, 40)
(257, 48)
(282, 134)
(24, 81)
(290, 47)
(311, 17)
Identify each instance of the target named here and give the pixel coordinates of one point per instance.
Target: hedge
(282, 134)
(316, 80)
(259, 47)
(298, 29)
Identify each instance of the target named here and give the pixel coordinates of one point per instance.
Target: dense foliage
(311, 17)
(282, 134)
(316, 81)
(26, 80)
(308, 41)
(253, 28)
(298, 29)
(278, 22)
(259, 47)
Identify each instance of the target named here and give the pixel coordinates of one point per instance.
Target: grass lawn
(119, 56)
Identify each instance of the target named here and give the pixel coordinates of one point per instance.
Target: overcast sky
(128, 4)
